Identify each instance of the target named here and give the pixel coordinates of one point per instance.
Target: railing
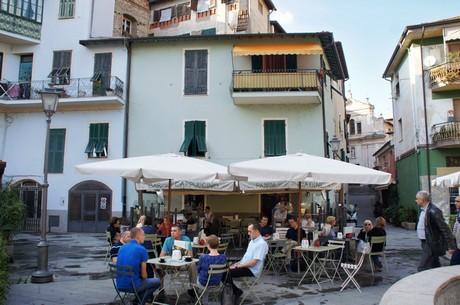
(445, 131)
(72, 88)
(447, 72)
(19, 25)
(276, 80)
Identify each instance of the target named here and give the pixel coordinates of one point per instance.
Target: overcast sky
(369, 31)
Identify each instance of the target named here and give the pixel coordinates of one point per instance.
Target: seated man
(135, 255)
(292, 236)
(253, 260)
(125, 237)
(168, 247)
(265, 229)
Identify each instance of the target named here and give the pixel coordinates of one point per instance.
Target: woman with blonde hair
(367, 227)
(328, 229)
(378, 230)
(141, 221)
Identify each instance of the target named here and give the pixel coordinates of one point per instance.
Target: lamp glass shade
(50, 100)
(335, 143)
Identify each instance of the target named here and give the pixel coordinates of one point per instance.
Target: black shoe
(238, 293)
(191, 294)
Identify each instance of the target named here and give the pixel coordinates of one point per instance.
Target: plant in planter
(12, 214)
(408, 217)
(109, 91)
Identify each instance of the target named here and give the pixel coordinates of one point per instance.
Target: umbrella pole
(299, 202)
(169, 208)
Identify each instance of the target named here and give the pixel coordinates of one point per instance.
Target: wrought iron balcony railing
(445, 73)
(276, 80)
(71, 88)
(445, 131)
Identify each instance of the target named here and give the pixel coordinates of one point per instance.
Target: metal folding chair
(109, 247)
(214, 269)
(332, 262)
(123, 294)
(375, 240)
(351, 270)
(249, 283)
(275, 259)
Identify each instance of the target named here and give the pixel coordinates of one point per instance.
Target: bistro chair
(109, 247)
(333, 260)
(222, 248)
(124, 294)
(377, 242)
(276, 260)
(248, 288)
(202, 294)
(351, 270)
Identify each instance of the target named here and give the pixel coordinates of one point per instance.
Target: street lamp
(335, 144)
(50, 99)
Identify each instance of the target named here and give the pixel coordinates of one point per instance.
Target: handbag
(227, 297)
(364, 247)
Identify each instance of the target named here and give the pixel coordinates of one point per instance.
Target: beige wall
(241, 205)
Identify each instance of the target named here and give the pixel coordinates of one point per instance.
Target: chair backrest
(282, 232)
(377, 240)
(226, 237)
(340, 243)
(151, 237)
(119, 270)
(216, 269)
(222, 248)
(109, 238)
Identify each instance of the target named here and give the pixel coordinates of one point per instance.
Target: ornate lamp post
(335, 146)
(50, 99)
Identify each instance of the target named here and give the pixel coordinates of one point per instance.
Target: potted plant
(109, 91)
(12, 215)
(408, 216)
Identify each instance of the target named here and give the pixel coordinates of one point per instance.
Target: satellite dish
(429, 61)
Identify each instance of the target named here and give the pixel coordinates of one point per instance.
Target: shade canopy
(300, 166)
(264, 186)
(278, 49)
(156, 168)
(449, 180)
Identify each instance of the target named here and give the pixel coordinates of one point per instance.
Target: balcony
(19, 30)
(76, 94)
(269, 87)
(446, 135)
(445, 77)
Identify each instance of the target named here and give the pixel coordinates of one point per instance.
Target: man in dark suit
(433, 233)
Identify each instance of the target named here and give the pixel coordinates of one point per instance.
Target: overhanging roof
(277, 49)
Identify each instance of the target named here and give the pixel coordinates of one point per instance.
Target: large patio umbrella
(154, 168)
(447, 180)
(300, 167)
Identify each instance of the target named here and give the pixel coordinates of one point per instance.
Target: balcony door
(102, 73)
(274, 63)
(456, 110)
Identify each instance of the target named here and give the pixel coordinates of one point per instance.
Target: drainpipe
(126, 124)
(427, 143)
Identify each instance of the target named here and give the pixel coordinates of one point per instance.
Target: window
(397, 90)
(208, 32)
(102, 70)
(196, 72)
(274, 138)
(60, 75)
(358, 128)
(126, 26)
(29, 9)
(274, 63)
(56, 151)
(352, 127)
(66, 8)
(98, 140)
(353, 153)
(400, 130)
(194, 144)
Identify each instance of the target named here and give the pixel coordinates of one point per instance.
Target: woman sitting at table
(328, 229)
(114, 229)
(208, 259)
(378, 230)
(308, 225)
(141, 222)
(164, 227)
(363, 234)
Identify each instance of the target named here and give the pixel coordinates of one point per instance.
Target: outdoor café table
(200, 249)
(348, 248)
(171, 269)
(314, 265)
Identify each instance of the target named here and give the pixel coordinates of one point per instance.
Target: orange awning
(278, 49)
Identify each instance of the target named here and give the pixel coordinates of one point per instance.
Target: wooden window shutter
(156, 15)
(56, 151)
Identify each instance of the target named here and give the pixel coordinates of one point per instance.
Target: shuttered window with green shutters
(98, 140)
(56, 151)
(274, 138)
(196, 72)
(194, 144)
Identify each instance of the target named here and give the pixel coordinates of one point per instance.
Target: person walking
(433, 232)
(455, 259)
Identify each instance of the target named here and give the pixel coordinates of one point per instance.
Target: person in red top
(164, 227)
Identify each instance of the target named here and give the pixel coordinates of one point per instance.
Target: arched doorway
(90, 207)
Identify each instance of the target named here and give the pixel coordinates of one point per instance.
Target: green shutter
(274, 138)
(196, 72)
(200, 136)
(98, 140)
(56, 151)
(189, 134)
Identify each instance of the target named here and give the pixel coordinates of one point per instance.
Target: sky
(369, 31)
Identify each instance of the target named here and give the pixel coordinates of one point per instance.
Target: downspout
(126, 125)
(323, 114)
(427, 143)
